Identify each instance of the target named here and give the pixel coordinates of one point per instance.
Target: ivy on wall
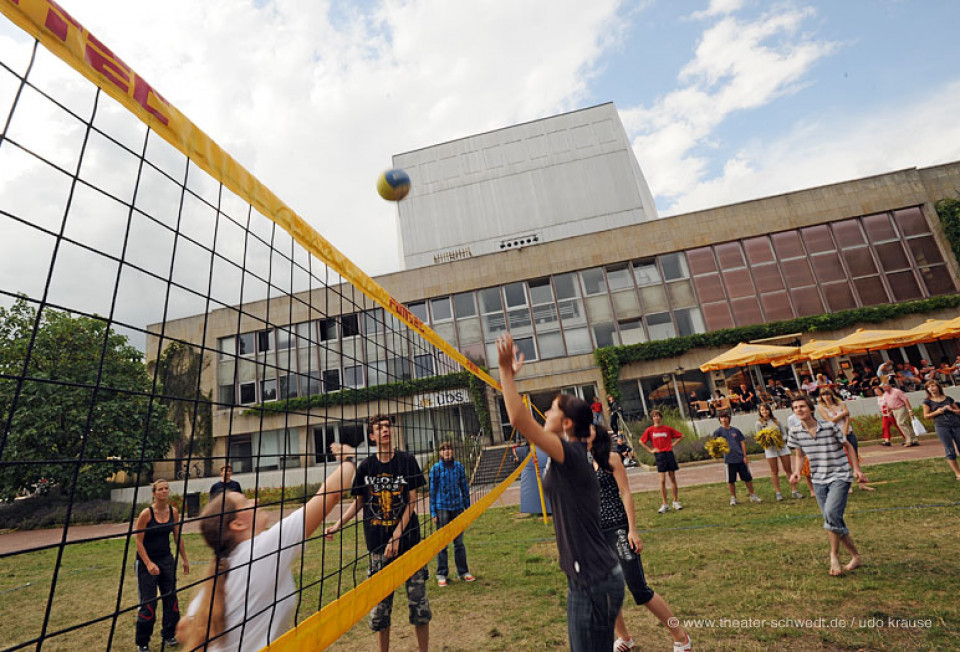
(612, 359)
(949, 212)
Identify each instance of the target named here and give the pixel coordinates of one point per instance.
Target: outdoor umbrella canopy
(863, 340)
(745, 354)
(935, 329)
(812, 350)
(947, 328)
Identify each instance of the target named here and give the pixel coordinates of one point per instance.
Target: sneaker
(663, 509)
(677, 506)
(623, 645)
(467, 577)
(886, 443)
(733, 501)
(779, 496)
(797, 494)
(143, 648)
(171, 642)
(686, 646)
(754, 498)
(914, 443)
(441, 581)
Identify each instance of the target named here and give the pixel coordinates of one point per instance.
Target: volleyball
(393, 185)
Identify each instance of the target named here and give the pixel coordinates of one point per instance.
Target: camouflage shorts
(416, 586)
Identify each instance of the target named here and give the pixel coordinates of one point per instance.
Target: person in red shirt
(658, 440)
(597, 408)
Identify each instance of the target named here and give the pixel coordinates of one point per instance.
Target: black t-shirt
(948, 417)
(574, 493)
(221, 486)
(384, 487)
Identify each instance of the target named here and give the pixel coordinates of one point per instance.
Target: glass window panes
(526, 347)
(551, 345)
(817, 239)
(739, 283)
(674, 266)
(463, 305)
(566, 286)
(758, 250)
(839, 296)
(654, 298)
(871, 291)
(860, 262)
(440, 309)
(767, 278)
(681, 294)
(619, 277)
(904, 286)
(892, 256)
(879, 228)
(490, 300)
(545, 317)
(447, 331)
(226, 371)
(398, 370)
(689, 321)
(246, 343)
(328, 329)
(797, 273)
(660, 326)
(288, 386)
(806, 301)
(646, 272)
(631, 332)
(571, 313)
(493, 325)
(350, 325)
(268, 390)
(701, 261)
(593, 282)
(709, 288)
(373, 321)
(353, 376)
(540, 291)
(284, 339)
(519, 320)
(717, 315)
(312, 383)
(422, 366)
(598, 309)
(746, 311)
(911, 221)
(227, 395)
(469, 331)
(331, 380)
(626, 303)
(925, 250)
(265, 340)
(605, 335)
(776, 306)
(227, 346)
(305, 334)
(937, 280)
(418, 309)
(248, 393)
(515, 294)
(729, 255)
(787, 244)
(848, 234)
(827, 267)
(578, 341)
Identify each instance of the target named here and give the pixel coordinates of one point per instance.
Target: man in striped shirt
(449, 496)
(830, 456)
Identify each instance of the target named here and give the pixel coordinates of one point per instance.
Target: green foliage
(51, 511)
(85, 391)
(612, 359)
(949, 212)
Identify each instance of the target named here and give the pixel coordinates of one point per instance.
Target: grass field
(748, 568)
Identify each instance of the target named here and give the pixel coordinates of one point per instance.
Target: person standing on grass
(249, 598)
(831, 457)
(449, 497)
(618, 521)
(946, 421)
(901, 410)
(775, 456)
(736, 460)
(594, 578)
(157, 569)
(225, 483)
(386, 489)
(658, 440)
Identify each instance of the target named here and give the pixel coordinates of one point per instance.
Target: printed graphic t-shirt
(384, 487)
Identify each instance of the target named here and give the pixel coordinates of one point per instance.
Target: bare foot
(854, 563)
(835, 568)
(866, 487)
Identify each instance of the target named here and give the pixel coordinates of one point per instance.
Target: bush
(39, 512)
(689, 449)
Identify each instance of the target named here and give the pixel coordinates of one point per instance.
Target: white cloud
(718, 8)
(738, 65)
(920, 133)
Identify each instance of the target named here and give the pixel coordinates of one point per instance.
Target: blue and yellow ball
(393, 185)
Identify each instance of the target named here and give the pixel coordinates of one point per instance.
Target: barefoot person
(776, 458)
(620, 527)
(249, 598)
(831, 457)
(946, 421)
(157, 569)
(594, 579)
(658, 440)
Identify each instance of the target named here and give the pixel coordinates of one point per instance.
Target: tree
(54, 411)
(191, 410)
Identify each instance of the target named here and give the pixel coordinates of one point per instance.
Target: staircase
(494, 465)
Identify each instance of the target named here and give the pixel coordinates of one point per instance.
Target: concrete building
(600, 274)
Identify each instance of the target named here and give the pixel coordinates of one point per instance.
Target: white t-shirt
(271, 594)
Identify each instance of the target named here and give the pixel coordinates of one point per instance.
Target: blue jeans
(592, 611)
(948, 434)
(832, 499)
(444, 516)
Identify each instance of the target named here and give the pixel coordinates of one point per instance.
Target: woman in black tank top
(156, 568)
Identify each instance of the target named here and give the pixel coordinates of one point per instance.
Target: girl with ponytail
(249, 597)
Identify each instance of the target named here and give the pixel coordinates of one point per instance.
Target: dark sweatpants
(147, 585)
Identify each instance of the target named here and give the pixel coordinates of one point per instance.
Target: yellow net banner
(65, 37)
(322, 629)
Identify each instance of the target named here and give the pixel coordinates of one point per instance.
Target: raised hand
(509, 356)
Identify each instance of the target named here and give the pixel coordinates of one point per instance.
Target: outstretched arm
(333, 488)
(511, 361)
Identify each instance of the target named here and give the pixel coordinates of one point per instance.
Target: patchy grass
(710, 562)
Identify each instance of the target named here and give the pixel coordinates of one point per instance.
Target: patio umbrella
(745, 354)
(812, 350)
(932, 330)
(948, 329)
(863, 340)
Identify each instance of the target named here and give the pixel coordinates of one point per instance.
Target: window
(246, 343)
(376, 373)
(288, 386)
(631, 332)
(419, 310)
(227, 347)
(353, 376)
(526, 347)
(284, 339)
(817, 239)
(398, 370)
(373, 321)
(540, 291)
(758, 250)
(264, 340)
(313, 383)
(787, 245)
(879, 228)
(463, 305)
(593, 282)
(566, 286)
(422, 366)
(268, 390)
(689, 321)
(228, 395)
(331, 380)
(701, 261)
(730, 255)
(490, 300)
(646, 272)
(441, 310)
(674, 266)
(605, 335)
(350, 325)
(515, 294)
(660, 326)
(911, 222)
(328, 329)
(578, 341)
(248, 393)
(551, 345)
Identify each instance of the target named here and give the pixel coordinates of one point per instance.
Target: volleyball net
(164, 315)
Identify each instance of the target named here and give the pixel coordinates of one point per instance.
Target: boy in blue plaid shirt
(449, 496)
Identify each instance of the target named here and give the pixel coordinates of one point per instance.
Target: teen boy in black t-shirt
(386, 488)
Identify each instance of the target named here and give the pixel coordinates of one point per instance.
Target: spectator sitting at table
(744, 398)
(783, 394)
(909, 376)
(926, 371)
(823, 382)
(854, 384)
(886, 371)
(946, 371)
(771, 389)
(809, 386)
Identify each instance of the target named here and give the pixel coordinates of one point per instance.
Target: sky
(723, 100)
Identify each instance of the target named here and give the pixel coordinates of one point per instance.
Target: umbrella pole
(796, 377)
